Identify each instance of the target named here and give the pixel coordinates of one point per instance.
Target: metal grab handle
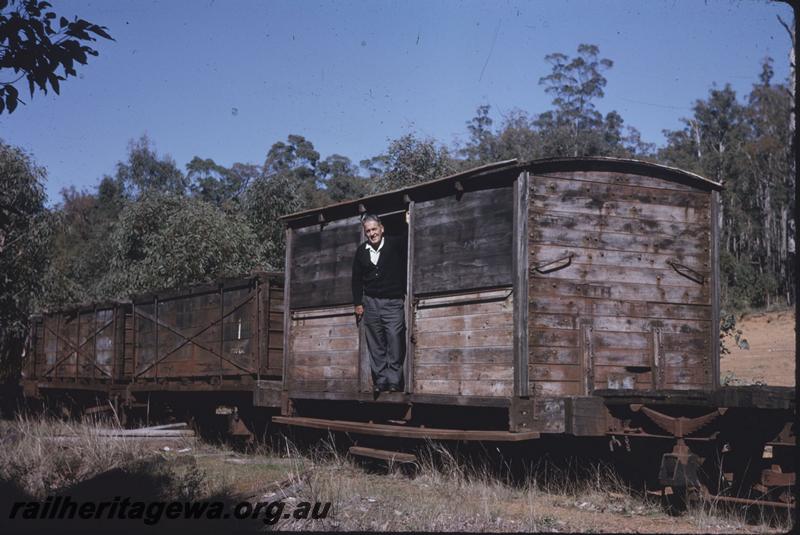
(687, 272)
(553, 265)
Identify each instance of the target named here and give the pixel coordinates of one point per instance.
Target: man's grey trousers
(385, 326)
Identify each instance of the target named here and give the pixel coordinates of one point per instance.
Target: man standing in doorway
(379, 288)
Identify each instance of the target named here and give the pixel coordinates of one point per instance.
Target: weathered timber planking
(321, 263)
(617, 241)
(466, 355)
(497, 307)
(621, 357)
(495, 202)
(520, 266)
(326, 385)
(348, 320)
(586, 416)
(684, 386)
(322, 270)
(495, 226)
(556, 388)
(540, 320)
(458, 270)
(715, 286)
(686, 359)
(687, 375)
(617, 224)
(464, 372)
(325, 249)
(330, 291)
(330, 331)
(396, 431)
(554, 372)
(463, 243)
(318, 372)
(486, 337)
(463, 323)
(500, 297)
(616, 308)
(694, 342)
(321, 330)
(463, 388)
(586, 205)
(408, 305)
(621, 179)
(324, 358)
(554, 355)
(620, 324)
(542, 286)
(541, 253)
(567, 189)
(286, 359)
(553, 338)
(549, 415)
(644, 377)
(324, 343)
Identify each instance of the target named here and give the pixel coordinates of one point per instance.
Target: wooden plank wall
(129, 346)
(215, 348)
(324, 351)
(463, 242)
(68, 335)
(272, 350)
(616, 314)
(75, 345)
(321, 263)
(37, 359)
(105, 343)
(464, 344)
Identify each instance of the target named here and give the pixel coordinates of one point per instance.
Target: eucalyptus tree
(35, 47)
(408, 160)
(24, 243)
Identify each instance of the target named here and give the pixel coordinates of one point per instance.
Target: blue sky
(226, 79)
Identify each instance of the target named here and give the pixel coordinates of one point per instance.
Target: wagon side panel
(462, 294)
(620, 292)
(324, 342)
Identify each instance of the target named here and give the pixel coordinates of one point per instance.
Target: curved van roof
(494, 173)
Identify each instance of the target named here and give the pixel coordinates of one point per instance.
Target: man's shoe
(394, 388)
(380, 388)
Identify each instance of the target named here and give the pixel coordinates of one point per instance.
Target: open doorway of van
(394, 225)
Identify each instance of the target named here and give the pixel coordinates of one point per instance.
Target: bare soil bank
(771, 357)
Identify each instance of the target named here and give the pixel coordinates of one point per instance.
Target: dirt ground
(771, 357)
(367, 501)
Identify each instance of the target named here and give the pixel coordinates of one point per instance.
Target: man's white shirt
(375, 254)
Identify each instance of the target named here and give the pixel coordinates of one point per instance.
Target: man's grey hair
(371, 217)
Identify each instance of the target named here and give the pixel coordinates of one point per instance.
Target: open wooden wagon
(574, 296)
(75, 353)
(211, 347)
(193, 349)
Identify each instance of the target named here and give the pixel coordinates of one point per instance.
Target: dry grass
(446, 491)
(39, 464)
(711, 514)
(444, 494)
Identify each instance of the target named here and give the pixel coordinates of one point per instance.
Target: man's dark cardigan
(387, 279)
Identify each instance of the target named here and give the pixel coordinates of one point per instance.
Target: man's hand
(359, 312)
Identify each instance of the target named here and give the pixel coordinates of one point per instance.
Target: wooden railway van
(221, 337)
(570, 297)
(76, 351)
(527, 283)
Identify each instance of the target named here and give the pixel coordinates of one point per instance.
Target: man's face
(374, 232)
